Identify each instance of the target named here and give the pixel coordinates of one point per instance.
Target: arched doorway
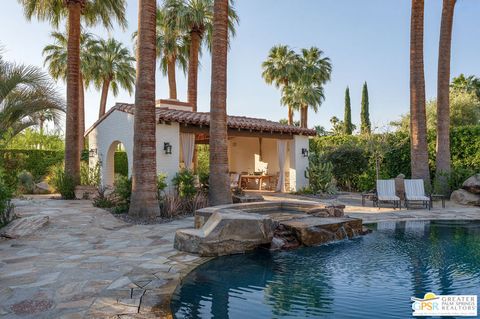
(116, 162)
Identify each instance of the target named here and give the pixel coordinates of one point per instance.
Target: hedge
(393, 150)
(121, 163)
(37, 162)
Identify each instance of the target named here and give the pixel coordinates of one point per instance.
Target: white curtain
(187, 142)
(282, 154)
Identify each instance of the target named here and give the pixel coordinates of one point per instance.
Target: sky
(365, 40)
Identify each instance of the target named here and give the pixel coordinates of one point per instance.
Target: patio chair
(415, 192)
(386, 192)
(234, 180)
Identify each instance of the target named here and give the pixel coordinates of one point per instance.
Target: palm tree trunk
(290, 115)
(144, 201)
(172, 81)
(195, 40)
(219, 179)
(418, 122)
(304, 117)
(443, 93)
(104, 96)
(81, 113)
(72, 152)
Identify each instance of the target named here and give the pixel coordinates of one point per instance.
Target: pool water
(368, 277)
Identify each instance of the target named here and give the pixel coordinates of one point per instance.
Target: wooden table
(259, 178)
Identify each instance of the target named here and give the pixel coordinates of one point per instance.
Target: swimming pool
(372, 276)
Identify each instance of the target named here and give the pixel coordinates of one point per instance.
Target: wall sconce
(92, 152)
(167, 147)
(304, 152)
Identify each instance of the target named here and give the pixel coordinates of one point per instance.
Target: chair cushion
(388, 197)
(422, 198)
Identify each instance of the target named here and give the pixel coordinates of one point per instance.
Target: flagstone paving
(85, 263)
(88, 264)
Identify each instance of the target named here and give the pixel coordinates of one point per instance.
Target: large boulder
(226, 232)
(463, 197)
(472, 184)
(24, 226)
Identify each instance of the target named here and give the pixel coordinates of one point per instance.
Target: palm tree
(317, 70)
(144, 201)
(418, 122)
(196, 17)
(279, 68)
(93, 12)
(26, 95)
(111, 65)
(443, 161)
(172, 44)
(219, 180)
(469, 84)
(302, 94)
(56, 57)
(305, 89)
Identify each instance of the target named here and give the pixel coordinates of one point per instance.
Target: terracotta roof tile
(203, 118)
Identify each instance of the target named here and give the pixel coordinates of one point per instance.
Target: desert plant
(26, 183)
(90, 175)
(171, 205)
(184, 182)
(320, 175)
(101, 200)
(61, 182)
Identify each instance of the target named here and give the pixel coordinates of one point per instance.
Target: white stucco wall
(299, 163)
(168, 164)
(118, 128)
(114, 129)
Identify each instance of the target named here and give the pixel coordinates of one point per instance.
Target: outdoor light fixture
(92, 152)
(167, 147)
(304, 152)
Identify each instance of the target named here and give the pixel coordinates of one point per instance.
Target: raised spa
(237, 228)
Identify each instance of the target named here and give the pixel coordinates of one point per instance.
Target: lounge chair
(415, 192)
(386, 192)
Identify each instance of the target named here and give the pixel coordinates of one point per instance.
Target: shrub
(161, 182)
(184, 182)
(203, 178)
(5, 196)
(26, 184)
(61, 182)
(121, 163)
(37, 162)
(320, 175)
(90, 175)
(102, 201)
(123, 191)
(350, 162)
(173, 205)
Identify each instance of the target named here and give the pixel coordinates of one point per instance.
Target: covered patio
(263, 154)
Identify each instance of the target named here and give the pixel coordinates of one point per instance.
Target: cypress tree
(365, 115)
(347, 117)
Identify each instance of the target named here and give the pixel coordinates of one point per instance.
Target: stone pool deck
(88, 264)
